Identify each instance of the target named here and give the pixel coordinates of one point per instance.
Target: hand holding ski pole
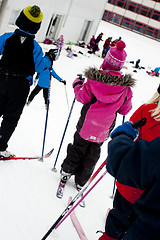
(128, 128)
(63, 81)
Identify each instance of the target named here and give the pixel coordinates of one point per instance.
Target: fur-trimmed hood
(103, 76)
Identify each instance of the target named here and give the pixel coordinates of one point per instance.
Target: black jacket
(138, 165)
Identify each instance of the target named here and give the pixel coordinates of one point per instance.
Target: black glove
(63, 81)
(80, 77)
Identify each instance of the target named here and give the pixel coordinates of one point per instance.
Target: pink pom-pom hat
(115, 57)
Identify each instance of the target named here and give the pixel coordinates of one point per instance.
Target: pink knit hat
(115, 57)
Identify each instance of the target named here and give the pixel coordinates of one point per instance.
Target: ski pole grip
(139, 123)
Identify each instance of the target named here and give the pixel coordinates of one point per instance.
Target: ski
(28, 158)
(70, 207)
(77, 224)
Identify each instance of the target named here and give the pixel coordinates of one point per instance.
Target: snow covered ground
(28, 202)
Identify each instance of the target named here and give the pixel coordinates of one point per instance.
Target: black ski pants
(13, 94)
(36, 90)
(81, 159)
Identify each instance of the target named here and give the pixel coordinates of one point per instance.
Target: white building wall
(74, 13)
(154, 23)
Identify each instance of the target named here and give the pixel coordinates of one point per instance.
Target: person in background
(136, 166)
(91, 43)
(96, 42)
(113, 43)
(137, 63)
(106, 46)
(44, 79)
(104, 94)
(60, 43)
(22, 56)
(154, 72)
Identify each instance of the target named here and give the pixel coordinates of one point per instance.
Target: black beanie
(30, 19)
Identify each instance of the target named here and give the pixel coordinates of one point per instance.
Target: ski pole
(66, 96)
(71, 210)
(54, 167)
(114, 185)
(46, 121)
(73, 201)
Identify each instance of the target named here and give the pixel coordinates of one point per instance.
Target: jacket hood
(105, 77)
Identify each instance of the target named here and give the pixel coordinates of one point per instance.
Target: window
(13, 17)
(145, 11)
(121, 3)
(151, 31)
(112, 1)
(134, 7)
(107, 15)
(128, 23)
(139, 27)
(156, 15)
(116, 18)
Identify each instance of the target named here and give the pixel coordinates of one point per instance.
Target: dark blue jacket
(137, 164)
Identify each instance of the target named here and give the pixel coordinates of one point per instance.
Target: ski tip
(49, 153)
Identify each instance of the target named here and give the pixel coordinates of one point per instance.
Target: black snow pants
(13, 94)
(81, 159)
(36, 90)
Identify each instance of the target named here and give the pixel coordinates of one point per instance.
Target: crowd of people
(133, 154)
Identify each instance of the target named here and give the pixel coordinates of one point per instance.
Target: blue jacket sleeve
(54, 74)
(41, 62)
(3, 40)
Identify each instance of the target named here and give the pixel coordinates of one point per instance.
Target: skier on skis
(136, 166)
(43, 82)
(105, 93)
(21, 57)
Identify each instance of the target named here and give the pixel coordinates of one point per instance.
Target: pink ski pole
(80, 200)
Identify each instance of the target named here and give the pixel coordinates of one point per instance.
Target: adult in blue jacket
(21, 57)
(43, 82)
(136, 165)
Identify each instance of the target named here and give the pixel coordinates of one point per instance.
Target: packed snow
(28, 202)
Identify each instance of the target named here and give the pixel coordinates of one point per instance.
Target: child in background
(106, 47)
(44, 78)
(91, 43)
(60, 43)
(105, 93)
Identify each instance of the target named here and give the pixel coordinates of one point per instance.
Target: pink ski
(77, 224)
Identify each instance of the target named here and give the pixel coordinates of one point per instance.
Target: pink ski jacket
(104, 94)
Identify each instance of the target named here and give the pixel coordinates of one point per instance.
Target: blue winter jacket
(44, 78)
(137, 164)
(40, 62)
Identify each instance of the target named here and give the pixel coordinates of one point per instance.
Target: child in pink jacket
(104, 94)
